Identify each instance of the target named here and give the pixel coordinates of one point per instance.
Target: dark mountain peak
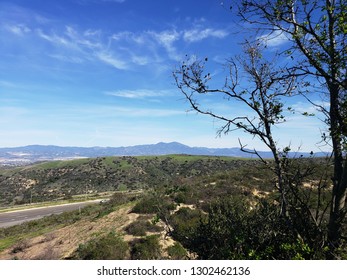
(171, 144)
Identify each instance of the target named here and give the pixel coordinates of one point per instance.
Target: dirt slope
(60, 243)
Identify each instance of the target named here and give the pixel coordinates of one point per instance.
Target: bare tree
(262, 97)
(317, 31)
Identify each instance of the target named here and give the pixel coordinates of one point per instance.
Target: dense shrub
(147, 248)
(121, 198)
(177, 252)
(145, 206)
(184, 223)
(233, 230)
(108, 247)
(140, 227)
(152, 204)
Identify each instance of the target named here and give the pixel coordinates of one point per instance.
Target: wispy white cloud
(71, 39)
(138, 94)
(110, 59)
(198, 34)
(145, 47)
(67, 58)
(57, 40)
(84, 46)
(140, 60)
(18, 29)
(274, 39)
(123, 50)
(82, 40)
(138, 38)
(305, 107)
(167, 39)
(19, 16)
(146, 112)
(150, 42)
(92, 32)
(106, 112)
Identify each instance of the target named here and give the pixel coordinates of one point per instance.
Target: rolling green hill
(63, 179)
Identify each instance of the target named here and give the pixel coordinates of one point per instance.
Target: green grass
(181, 158)
(12, 235)
(122, 187)
(11, 240)
(109, 162)
(124, 165)
(61, 164)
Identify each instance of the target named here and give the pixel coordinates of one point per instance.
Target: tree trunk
(337, 211)
(279, 174)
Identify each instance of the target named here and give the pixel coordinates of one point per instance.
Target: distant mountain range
(34, 153)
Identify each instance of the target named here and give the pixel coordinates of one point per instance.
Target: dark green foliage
(233, 230)
(108, 247)
(145, 206)
(141, 227)
(179, 193)
(184, 223)
(147, 248)
(154, 203)
(220, 236)
(177, 252)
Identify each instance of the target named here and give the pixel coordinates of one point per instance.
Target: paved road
(20, 216)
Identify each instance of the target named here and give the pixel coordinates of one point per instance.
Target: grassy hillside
(64, 179)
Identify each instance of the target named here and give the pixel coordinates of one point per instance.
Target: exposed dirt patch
(259, 194)
(61, 243)
(165, 240)
(182, 205)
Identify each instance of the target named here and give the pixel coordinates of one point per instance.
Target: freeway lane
(20, 216)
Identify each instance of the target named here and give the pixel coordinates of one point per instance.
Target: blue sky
(99, 73)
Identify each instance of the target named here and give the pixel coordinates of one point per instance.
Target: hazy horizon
(153, 144)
